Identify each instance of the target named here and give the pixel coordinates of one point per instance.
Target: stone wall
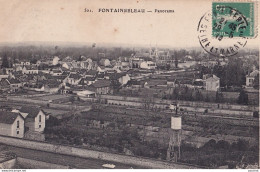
(85, 153)
(33, 164)
(138, 102)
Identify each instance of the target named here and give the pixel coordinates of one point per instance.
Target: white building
(104, 62)
(147, 65)
(55, 60)
(251, 78)
(11, 124)
(34, 118)
(212, 83)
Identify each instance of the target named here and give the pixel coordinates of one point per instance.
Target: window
(17, 132)
(40, 126)
(18, 125)
(40, 118)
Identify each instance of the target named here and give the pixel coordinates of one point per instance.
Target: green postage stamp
(234, 19)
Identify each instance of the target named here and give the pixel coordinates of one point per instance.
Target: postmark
(233, 20)
(224, 30)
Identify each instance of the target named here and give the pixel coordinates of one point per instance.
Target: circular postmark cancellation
(225, 30)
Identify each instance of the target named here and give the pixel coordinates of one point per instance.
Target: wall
(187, 103)
(6, 129)
(84, 153)
(8, 164)
(20, 129)
(38, 123)
(33, 164)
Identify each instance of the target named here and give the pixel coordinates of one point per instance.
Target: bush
(211, 144)
(256, 114)
(222, 144)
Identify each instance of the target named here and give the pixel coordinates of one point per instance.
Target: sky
(66, 21)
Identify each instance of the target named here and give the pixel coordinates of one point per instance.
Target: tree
(256, 82)
(243, 98)
(219, 97)
(72, 99)
(176, 62)
(5, 63)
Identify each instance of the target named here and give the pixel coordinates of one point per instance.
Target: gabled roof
(91, 72)
(31, 110)
(31, 67)
(14, 81)
(101, 83)
(156, 82)
(8, 117)
(115, 76)
(254, 73)
(74, 76)
(212, 79)
(52, 83)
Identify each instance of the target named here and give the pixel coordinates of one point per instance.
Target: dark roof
(32, 111)
(14, 81)
(101, 83)
(52, 83)
(60, 77)
(157, 82)
(75, 76)
(91, 72)
(198, 83)
(31, 67)
(8, 117)
(115, 76)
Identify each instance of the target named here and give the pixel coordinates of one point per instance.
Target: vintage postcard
(134, 84)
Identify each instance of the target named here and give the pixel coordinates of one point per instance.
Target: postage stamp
(233, 19)
(227, 27)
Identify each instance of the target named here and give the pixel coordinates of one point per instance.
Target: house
(101, 69)
(3, 75)
(55, 60)
(91, 73)
(56, 72)
(8, 70)
(212, 83)
(30, 70)
(74, 78)
(122, 78)
(50, 86)
(84, 64)
(147, 65)
(155, 83)
(67, 65)
(251, 78)
(11, 124)
(135, 62)
(87, 81)
(34, 118)
(86, 94)
(135, 83)
(104, 62)
(25, 63)
(101, 87)
(12, 84)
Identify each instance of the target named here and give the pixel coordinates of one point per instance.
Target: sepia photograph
(135, 84)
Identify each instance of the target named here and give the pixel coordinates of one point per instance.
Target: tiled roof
(14, 81)
(75, 76)
(101, 83)
(91, 72)
(212, 79)
(157, 82)
(32, 111)
(8, 117)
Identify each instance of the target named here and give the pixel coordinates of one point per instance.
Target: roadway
(66, 160)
